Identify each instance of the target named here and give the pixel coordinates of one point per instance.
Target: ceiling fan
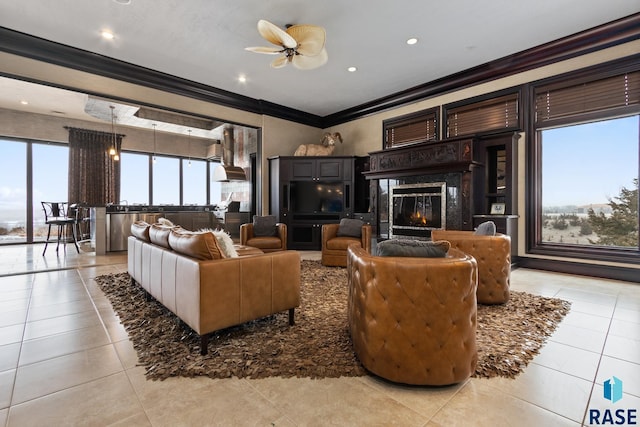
(302, 45)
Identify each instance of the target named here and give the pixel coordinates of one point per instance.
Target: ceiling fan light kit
(301, 45)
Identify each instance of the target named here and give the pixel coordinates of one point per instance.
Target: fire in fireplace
(418, 208)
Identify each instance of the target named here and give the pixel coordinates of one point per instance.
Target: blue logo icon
(613, 389)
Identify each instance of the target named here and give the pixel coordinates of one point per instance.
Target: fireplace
(416, 209)
(421, 187)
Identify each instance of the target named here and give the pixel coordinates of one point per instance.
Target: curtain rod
(96, 132)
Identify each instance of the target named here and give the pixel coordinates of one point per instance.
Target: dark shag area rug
(318, 345)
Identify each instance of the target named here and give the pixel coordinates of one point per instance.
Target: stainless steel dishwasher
(119, 227)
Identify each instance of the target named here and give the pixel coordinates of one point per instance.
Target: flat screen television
(316, 197)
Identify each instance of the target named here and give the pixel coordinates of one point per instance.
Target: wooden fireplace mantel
(436, 157)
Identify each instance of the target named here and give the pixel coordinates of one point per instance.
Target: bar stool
(55, 215)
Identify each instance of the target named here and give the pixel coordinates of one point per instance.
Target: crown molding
(39, 49)
(611, 34)
(608, 35)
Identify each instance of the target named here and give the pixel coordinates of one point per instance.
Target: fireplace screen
(418, 208)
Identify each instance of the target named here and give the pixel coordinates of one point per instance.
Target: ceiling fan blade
(303, 62)
(279, 62)
(310, 38)
(276, 35)
(267, 50)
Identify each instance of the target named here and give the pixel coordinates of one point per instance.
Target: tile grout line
(595, 378)
(24, 329)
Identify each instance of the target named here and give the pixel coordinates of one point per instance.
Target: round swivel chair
(413, 320)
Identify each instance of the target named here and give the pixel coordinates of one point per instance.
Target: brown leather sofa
(189, 274)
(334, 247)
(493, 254)
(264, 243)
(413, 320)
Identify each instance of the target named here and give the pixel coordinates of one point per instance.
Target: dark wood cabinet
(307, 192)
(501, 179)
(500, 185)
(317, 169)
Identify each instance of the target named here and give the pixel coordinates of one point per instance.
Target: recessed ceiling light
(242, 78)
(352, 69)
(412, 40)
(107, 35)
(23, 102)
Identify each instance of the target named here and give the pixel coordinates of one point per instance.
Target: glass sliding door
(50, 182)
(13, 192)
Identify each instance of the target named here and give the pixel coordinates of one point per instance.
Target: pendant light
(113, 151)
(154, 143)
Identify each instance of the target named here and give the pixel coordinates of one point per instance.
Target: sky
(589, 163)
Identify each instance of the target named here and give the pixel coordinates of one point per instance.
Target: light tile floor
(66, 360)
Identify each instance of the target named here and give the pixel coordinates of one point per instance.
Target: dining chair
(55, 214)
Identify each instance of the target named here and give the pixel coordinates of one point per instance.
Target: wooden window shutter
(419, 127)
(499, 113)
(564, 102)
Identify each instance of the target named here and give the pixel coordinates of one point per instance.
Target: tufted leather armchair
(264, 243)
(413, 320)
(493, 254)
(334, 248)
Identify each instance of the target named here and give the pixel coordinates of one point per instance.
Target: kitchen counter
(111, 225)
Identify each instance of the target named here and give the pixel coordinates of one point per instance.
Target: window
(492, 113)
(412, 128)
(586, 148)
(13, 192)
(575, 204)
(166, 181)
(134, 178)
(194, 182)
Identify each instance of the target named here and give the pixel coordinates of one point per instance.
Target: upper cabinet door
(303, 169)
(332, 169)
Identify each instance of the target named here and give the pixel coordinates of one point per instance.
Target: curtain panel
(94, 177)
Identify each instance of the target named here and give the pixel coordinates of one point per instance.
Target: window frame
(427, 115)
(481, 101)
(533, 188)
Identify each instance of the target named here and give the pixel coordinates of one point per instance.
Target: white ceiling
(204, 41)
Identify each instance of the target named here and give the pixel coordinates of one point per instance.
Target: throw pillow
(487, 228)
(264, 226)
(165, 221)
(350, 228)
(413, 248)
(225, 243)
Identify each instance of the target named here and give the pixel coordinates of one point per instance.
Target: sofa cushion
(140, 230)
(159, 235)
(487, 228)
(264, 226)
(199, 245)
(413, 248)
(350, 228)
